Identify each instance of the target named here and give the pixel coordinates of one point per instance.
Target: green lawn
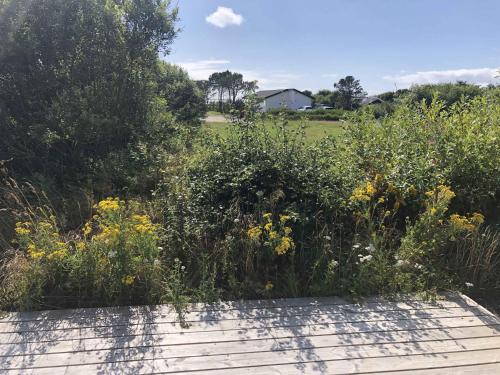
(214, 113)
(314, 129)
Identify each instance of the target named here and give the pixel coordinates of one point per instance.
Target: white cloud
(223, 17)
(202, 69)
(481, 76)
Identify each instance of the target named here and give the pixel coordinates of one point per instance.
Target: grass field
(314, 130)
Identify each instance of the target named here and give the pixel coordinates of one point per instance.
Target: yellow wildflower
(22, 231)
(128, 280)
(441, 192)
(142, 219)
(60, 254)
(381, 200)
(269, 286)
(254, 232)
(391, 188)
(37, 254)
(378, 179)
(22, 228)
(272, 235)
(80, 245)
(359, 195)
(268, 226)
(109, 233)
(412, 191)
(477, 218)
(87, 229)
(446, 192)
(284, 218)
(285, 245)
(370, 189)
(433, 210)
(45, 225)
(144, 228)
(34, 253)
(108, 205)
(287, 230)
(462, 223)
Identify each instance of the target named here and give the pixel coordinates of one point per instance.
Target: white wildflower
(356, 246)
(366, 258)
(469, 285)
(112, 254)
(401, 263)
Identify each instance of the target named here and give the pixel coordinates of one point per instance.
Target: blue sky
(311, 44)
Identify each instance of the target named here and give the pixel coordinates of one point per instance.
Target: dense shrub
(426, 145)
(404, 203)
(448, 93)
(313, 115)
(79, 102)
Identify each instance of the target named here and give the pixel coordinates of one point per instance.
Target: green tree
(449, 93)
(350, 92)
(229, 86)
(183, 97)
(77, 83)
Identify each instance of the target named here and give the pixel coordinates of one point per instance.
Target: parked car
(305, 108)
(322, 106)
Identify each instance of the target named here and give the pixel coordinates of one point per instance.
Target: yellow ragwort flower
(370, 189)
(272, 235)
(128, 280)
(254, 232)
(284, 218)
(285, 245)
(269, 286)
(462, 223)
(267, 216)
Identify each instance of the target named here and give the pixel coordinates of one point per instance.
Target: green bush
(313, 115)
(403, 203)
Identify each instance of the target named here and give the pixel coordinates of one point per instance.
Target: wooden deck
(289, 336)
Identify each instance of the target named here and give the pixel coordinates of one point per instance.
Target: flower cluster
(109, 205)
(275, 235)
(363, 193)
(41, 240)
(463, 223)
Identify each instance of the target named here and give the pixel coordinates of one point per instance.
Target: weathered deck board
(289, 336)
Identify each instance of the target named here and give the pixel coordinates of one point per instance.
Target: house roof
(264, 94)
(371, 100)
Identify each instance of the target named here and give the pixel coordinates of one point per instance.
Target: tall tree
(350, 93)
(183, 97)
(230, 86)
(77, 81)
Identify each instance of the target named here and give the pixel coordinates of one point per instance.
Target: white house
(284, 98)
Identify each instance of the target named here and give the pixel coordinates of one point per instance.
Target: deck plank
(124, 328)
(289, 336)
